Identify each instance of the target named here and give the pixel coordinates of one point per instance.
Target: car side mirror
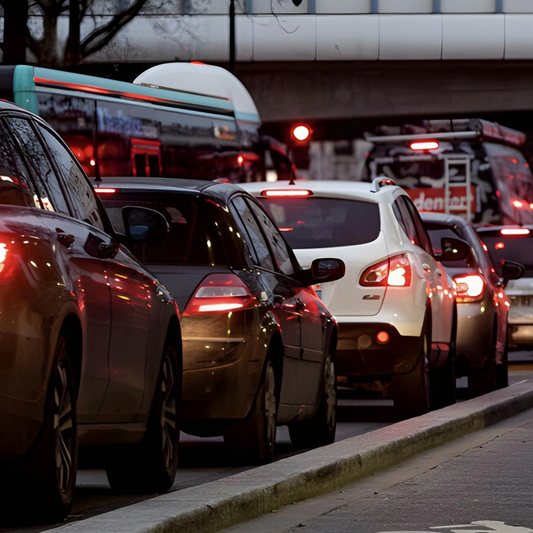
(512, 270)
(144, 225)
(453, 249)
(326, 270)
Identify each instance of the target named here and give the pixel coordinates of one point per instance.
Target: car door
(278, 288)
(312, 321)
(442, 301)
(133, 294)
(83, 269)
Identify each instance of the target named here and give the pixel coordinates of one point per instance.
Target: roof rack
(381, 181)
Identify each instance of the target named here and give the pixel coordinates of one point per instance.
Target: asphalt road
(205, 460)
(480, 483)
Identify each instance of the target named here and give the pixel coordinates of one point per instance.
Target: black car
(259, 345)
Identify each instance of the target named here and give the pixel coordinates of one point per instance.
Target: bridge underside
(340, 98)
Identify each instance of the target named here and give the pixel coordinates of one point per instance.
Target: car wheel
(442, 382)
(150, 466)
(43, 481)
(319, 431)
(483, 380)
(411, 390)
(254, 440)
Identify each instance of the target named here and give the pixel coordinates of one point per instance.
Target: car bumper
(361, 356)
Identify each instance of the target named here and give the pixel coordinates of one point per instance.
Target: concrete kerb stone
(214, 506)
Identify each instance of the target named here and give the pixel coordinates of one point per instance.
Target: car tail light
(220, 293)
(7, 261)
(287, 193)
(469, 287)
(104, 190)
(393, 272)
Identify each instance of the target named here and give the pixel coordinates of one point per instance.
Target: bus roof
(204, 79)
(26, 78)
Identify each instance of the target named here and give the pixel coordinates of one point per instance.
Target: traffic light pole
(232, 36)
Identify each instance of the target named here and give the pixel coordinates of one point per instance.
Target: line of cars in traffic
(137, 307)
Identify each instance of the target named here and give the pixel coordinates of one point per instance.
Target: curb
(223, 503)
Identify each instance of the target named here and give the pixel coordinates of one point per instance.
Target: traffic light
(299, 142)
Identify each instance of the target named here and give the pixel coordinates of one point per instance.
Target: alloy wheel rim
(270, 404)
(330, 392)
(168, 412)
(63, 428)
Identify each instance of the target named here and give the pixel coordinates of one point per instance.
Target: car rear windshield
(190, 241)
(324, 222)
(510, 248)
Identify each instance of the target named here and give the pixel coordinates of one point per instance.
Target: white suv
(396, 305)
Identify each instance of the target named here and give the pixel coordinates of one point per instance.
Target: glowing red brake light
(470, 287)
(3, 255)
(518, 204)
(220, 293)
(515, 231)
(287, 193)
(424, 146)
(393, 272)
(104, 190)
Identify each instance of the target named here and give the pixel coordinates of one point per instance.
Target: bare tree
(42, 37)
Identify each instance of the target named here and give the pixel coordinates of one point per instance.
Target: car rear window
(509, 248)
(324, 222)
(190, 241)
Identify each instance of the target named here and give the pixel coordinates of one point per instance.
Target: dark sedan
(259, 345)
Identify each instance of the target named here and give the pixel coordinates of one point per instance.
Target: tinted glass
(45, 178)
(79, 187)
(273, 236)
(256, 238)
(519, 249)
(405, 219)
(420, 230)
(16, 188)
(437, 232)
(190, 241)
(325, 222)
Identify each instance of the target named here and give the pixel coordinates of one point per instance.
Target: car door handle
(66, 239)
(108, 249)
(300, 304)
(278, 299)
(426, 268)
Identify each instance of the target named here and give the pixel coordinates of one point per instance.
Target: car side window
(77, 183)
(273, 236)
(16, 186)
(405, 220)
(46, 180)
(255, 236)
(423, 236)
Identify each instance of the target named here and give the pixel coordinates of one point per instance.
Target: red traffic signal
(301, 133)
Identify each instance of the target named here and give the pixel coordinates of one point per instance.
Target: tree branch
(103, 35)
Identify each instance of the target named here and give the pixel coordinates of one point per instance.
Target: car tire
(254, 440)
(411, 390)
(42, 482)
(149, 467)
(483, 380)
(442, 381)
(320, 430)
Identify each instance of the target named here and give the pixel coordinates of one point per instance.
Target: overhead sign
(433, 199)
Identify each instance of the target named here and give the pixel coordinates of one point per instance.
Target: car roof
(164, 184)
(327, 188)
(443, 218)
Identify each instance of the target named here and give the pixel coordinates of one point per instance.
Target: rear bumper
(361, 356)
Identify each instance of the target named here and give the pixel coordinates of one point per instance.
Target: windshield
(190, 240)
(324, 222)
(513, 248)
